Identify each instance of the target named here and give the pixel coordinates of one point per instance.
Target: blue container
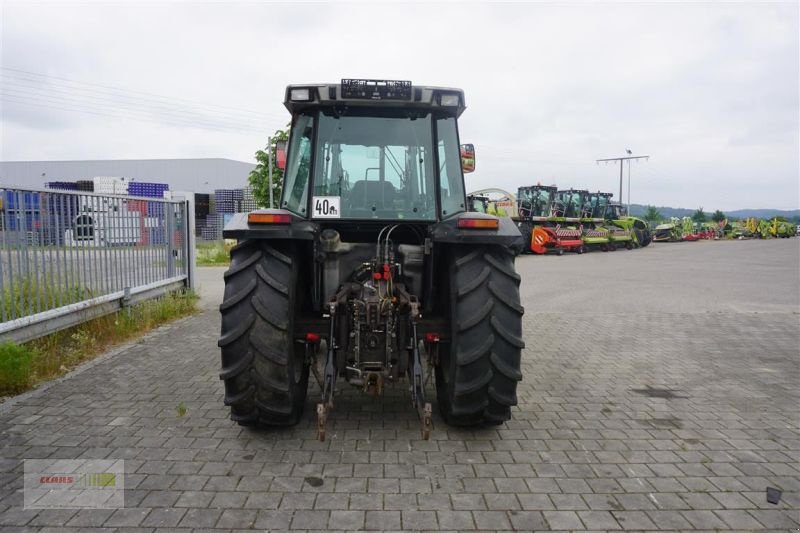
(158, 235)
(16, 200)
(62, 185)
(155, 209)
(150, 190)
(17, 220)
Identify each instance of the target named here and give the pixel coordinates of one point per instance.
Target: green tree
(718, 216)
(652, 214)
(259, 176)
(699, 216)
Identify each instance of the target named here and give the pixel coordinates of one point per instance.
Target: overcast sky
(709, 91)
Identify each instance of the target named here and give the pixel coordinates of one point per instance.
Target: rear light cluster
(478, 223)
(268, 218)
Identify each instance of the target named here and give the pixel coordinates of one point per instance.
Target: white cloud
(710, 91)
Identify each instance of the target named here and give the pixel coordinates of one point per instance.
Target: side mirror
(467, 158)
(280, 154)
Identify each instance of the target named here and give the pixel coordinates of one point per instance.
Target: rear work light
(449, 99)
(268, 218)
(300, 95)
(478, 223)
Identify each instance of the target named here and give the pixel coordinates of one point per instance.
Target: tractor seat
(366, 194)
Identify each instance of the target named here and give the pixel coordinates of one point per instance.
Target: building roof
(196, 175)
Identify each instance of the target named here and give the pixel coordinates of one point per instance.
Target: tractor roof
(374, 93)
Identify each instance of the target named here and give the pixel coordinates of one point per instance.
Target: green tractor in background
(570, 212)
(623, 230)
(640, 229)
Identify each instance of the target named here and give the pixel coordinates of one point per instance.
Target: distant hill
(667, 212)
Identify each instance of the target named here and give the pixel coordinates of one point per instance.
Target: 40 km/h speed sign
(326, 207)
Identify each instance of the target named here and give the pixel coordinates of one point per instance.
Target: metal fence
(67, 257)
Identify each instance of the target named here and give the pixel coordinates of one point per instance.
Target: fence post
(189, 259)
(170, 228)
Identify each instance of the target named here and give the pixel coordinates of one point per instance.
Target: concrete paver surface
(660, 392)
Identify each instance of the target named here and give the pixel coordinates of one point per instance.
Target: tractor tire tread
(475, 283)
(271, 281)
(477, 382)
(466, 387)
(263, 384)
(477, 317)
(237, 367)
(244, 265)
(239, 296)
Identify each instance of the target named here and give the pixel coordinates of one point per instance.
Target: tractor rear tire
(478, 371)
(265, 374)
(643, 236)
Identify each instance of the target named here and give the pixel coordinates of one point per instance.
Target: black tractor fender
(296, 227)
(507, 234)
(447, 231)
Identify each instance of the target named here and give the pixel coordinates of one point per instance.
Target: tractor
(543, 233)
(639, 229)
(573, 206)
(372, 272)
(598, 232)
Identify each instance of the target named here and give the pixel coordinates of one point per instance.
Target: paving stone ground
(660, 393)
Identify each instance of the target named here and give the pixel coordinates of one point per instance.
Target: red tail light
(478, 223)
(268, 218)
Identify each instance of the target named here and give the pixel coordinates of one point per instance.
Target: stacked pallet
(212, 230)
(228, 200)
(62, 185)
(110, 185)
(202, 206)
(85, 185)
(248, 201)
(150, 190)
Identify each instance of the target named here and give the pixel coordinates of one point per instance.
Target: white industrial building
(196, 175)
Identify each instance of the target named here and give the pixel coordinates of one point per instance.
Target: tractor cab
(568, 204)
(596, 205)
(535, 201)
(616, 212)
(478, 203)
(374, 150)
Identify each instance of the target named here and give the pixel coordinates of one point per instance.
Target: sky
(710, 91)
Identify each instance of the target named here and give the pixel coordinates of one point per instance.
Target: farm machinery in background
(753, 228)
(547, 228)
(668, 231)
(680, 230)
(555, 221)
(492, 201)
(622, 229)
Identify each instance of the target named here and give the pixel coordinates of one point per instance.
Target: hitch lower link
(418, 379)
(328, 378)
